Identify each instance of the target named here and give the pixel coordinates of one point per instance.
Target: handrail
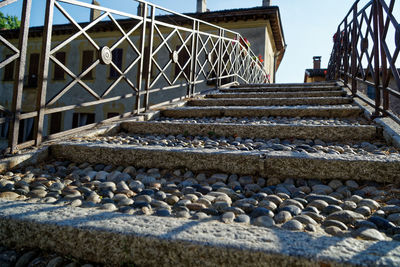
(363, 56)
(215, 56)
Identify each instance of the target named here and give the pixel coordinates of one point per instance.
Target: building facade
(261, 26)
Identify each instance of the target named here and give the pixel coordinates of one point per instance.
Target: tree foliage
(9, 22)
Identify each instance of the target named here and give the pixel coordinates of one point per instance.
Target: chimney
(201, 6)
(140, 9)
(94, 13)
(317, 63)
(266, 2)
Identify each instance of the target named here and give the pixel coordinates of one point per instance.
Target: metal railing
(364, 55)
(207, 54)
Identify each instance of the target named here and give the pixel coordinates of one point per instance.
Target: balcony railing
(366, 54)
(207, 54)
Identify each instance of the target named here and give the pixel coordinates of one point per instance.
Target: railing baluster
(44, 72)
(376, 58)
(19, 75)
(354, 41)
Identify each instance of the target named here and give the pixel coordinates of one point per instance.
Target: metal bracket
(105, 55)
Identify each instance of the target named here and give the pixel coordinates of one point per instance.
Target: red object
(325, 72)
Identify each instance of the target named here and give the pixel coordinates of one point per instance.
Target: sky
(308, 25)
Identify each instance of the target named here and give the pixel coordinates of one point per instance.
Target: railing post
(142, 51)
(193, 58)
(346, 53)
(150, 56)
(239, 56)
(385, 80)
(376, 58)
(354, 40)
(338, 48)
(219, 65)
(19, 75)
(44, 71)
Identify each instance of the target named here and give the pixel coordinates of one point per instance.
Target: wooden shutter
(87, 60)
(33, 70)
(9, 70)
(58, 71)
(117, 59)
(55, 122)
(184, 57)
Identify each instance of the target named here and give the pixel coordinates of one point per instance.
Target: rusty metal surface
(213, 55)
(361, 53)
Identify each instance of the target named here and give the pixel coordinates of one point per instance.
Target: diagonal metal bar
(6, 2)
(8, 44)
(76, 79)
(9, 60)
(71, 19)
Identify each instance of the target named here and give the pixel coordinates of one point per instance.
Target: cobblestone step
(258, 111)
(114, 239)
(279, 94)
(276, 164)
(279, 89)
(308, 85)
(326, 133)
(271, 101)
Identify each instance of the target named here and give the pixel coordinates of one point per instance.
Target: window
(371, 92)
(146, 64)
(112, 115)
(87, 60)
(58, 71)
(55, 123)
(9, 70)
(25, 130)
(33, 70)
(117, 59)
(184, 57)
(81, 119)
(3, 127)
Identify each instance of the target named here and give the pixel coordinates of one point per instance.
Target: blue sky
(308, 25)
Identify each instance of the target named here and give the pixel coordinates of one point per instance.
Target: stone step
(271, 101)
(317, 84)
(254, 111)
(280, 89)
(326, 133)
(113, 238)
(279, 94)
(273, 164)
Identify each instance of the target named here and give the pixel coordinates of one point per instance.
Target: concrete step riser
(273, 165)
(326, 133)
(264, 112)
(323, 84)
(278, 95)
(271, 101)
(117, 239)
(278, 89)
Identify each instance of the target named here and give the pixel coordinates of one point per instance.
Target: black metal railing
(206, 54)
(365, 55)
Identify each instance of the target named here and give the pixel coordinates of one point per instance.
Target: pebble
(334, 230)
(264, 221)
(345, 216)
(228, 217)
(242, 218)
(335, 223)
(369, 234)
(293, 225)
(282, 217)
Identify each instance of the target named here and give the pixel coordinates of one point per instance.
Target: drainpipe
(276, 55)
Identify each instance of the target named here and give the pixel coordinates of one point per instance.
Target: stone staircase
(294, 136)
(269, 175)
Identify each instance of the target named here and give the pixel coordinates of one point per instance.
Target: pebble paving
(32, 257)
(269, 120)
(242, 144)
(364, 210)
